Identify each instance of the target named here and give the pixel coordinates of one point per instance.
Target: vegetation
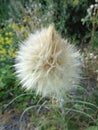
(78, 22)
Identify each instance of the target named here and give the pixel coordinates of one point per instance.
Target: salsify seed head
(47, 63)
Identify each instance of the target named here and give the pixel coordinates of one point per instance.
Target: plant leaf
(92, 128)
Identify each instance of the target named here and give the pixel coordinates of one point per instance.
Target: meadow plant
(8, 46)
(90, 64)
(47, 63)
(8, 82)
(91, 20)
(30, 15)
(90, 55)
(51, 66)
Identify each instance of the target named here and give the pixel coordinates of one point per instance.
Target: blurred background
(75, 20)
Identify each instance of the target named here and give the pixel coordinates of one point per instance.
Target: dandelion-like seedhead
(47, 63)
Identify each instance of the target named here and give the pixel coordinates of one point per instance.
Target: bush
(68, 18)
(8, 46)
(32, 15)
(4, 10)
(9, 85)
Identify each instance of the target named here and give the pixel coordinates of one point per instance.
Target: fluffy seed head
(47, 63)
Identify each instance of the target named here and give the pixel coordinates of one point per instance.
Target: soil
(10, 120)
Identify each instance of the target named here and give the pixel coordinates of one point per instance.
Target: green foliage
(4, 10)
(68, 15)
(6, 82)
(94, 40)
(91, 21)
(92, 128)
(75, 114)
(9, 85)
(32, 14)
(80, 110)
(8, 46)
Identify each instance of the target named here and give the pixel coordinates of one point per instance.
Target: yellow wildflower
(11, 53)
(6, 38)
(9, 41)
(10, 33)
(1, 40)
(6, 33)
(14, 26)
(3, 51)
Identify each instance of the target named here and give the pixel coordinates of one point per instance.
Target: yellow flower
(10, 33)
(7, 33)
(9, 41)
(15, 26)
(3, 51)
(11, 53)
(1, 40)
(6, 38)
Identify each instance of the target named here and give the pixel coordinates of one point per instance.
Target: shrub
(4, 10)
(68, 18)
(8, 46)
(32, 14)
(91, 21)
(9, 85)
